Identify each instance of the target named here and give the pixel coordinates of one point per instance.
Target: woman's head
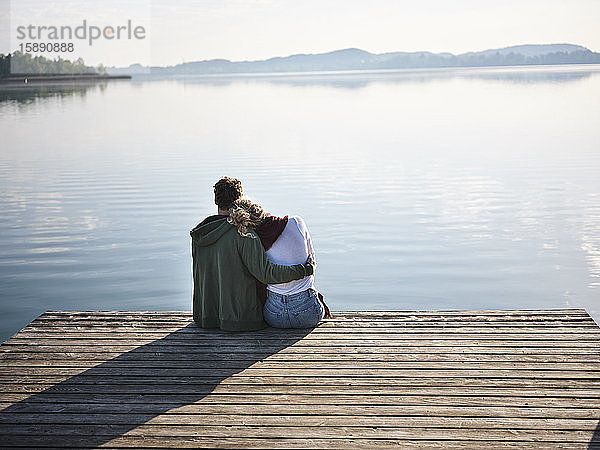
(244, 214)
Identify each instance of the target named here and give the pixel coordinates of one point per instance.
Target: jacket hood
(210, 230)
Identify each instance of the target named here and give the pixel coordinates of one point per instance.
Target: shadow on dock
(115, 396)
(595, 442)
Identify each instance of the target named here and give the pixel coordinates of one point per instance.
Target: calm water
(443, 189)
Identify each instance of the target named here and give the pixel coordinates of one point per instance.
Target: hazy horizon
(375, 53)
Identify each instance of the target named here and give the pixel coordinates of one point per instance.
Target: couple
(237, 251)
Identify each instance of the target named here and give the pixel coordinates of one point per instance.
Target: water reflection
(353, 80)
(26, 94)
(458, 192)
(362, 79)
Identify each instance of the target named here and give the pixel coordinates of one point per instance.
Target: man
(226, 266)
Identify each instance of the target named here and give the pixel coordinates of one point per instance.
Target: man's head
(227, 191)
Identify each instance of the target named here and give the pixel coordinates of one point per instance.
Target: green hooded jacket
(226, 266)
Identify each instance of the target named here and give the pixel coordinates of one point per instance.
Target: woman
(286, 240)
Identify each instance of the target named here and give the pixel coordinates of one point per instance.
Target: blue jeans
(301, 310)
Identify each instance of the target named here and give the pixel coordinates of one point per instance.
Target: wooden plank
(286, 342)
(300, 399)
(535, 321)
(117, 387)
(336, 321)
(331, 326)
(412, 382)
(312, 365)
(305, 335)
(303, 421)
(358, 313)
(240, 431)
(163, 442)
(321, 333)
(292, 409)
(329, 373)
(158, 347)
(337, 315)
(166, 356)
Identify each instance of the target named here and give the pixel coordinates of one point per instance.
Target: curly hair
(244, 214)
(227, 191)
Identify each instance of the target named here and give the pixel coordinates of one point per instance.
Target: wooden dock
(435, 379)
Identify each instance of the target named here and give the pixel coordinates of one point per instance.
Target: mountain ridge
(358, 59)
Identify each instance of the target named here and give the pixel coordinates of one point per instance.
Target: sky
(192, 30)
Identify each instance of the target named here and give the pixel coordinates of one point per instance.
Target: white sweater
(292, 247)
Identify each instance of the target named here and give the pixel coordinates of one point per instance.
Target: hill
(357, 59)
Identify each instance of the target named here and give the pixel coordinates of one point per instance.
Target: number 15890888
(50, 47)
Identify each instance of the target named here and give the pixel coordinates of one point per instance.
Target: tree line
(26, 64)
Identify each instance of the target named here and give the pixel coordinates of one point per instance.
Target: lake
(432, 189)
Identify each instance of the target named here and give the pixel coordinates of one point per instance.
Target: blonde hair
(244, 214)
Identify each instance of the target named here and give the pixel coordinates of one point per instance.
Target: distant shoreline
(158, 71)
(26, 79)
(362, 72)
(357, 59)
